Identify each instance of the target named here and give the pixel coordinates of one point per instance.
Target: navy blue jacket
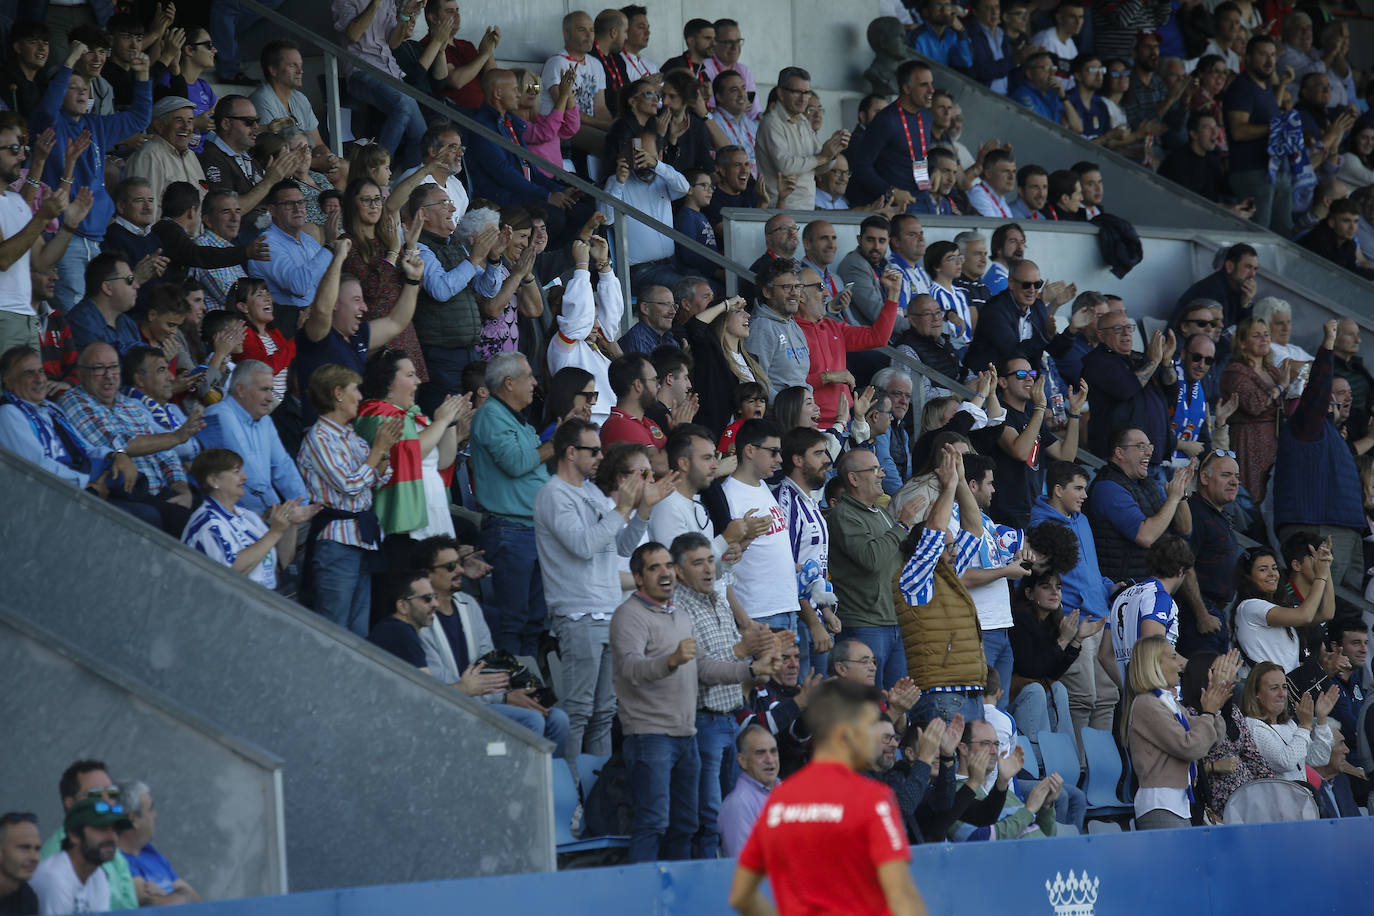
(997, 337)
(1214, 286)
(883, 159)
(497, 172)
(986, 68)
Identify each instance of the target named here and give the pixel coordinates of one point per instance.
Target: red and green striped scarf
(400, 505)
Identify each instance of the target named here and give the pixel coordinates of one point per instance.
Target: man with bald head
(780, 241)
(1016, 321)
(579, 37)
(1214, 545)
(830, 341)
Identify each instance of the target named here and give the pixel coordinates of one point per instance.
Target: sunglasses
(1217, 453)
(1022, 374)
(107, 808)
(127, 278)
(451, 566)
(589, 395)
(1031, 284)
(592, 449)
(18, 149)
(1213, 323)
(1201, 358)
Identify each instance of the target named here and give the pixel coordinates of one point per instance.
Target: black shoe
(239, 79)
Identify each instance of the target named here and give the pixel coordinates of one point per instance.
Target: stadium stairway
(386, 775)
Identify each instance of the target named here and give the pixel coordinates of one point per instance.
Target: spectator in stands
(341, 471)
(1278, 315)
(885, 160)
(866, 552)
(1095, 120)
(806, 465)
(578, 39)
(167, 156)
(1188, 418)
(1251, 375)
(1335, 796)
(942, 37)
(1214, 544)
(1081, 334)
(19, 844)
(579, 531)
(370, 30)
(864, 268)
(829, 341)
(279, 96)
(608, 30)
(676, 404)
(1347, 638)
(686, 141)
(441, 161)
(1326, 191)
(25, 68)
(1127, 390)
(990, 193)
(1234, 760)
(1129, 510)
(637, 33)
(582, 313)
(543, 132)
(734, 186)
(75, 879)
(735, 120)
(466, 62)
(775, 340)
(1016, 321)
(412, 601)
(648, 184)
(726, 51)
(148, 382)
(700, 37)
(1044, 94)
(1032, 192)
(1046, 643)
(508, 470)
(1288, 737)
(1250, 108)
(990, 47)
(54, 334)
(64, 109)
(1266, 631)
(1148, 607)
(1065, 196)
(230, 167)
(906, 252)
(1315, 475)
(90, 780)
(1357, 156)
(1233, 285)
(298, 263)
(787, 146)
(1016, 820)
(692, 222)
(235, 536)
(160, 882)
(1166, 742)
(1334, 238)
(757, 757)
(657, 308)
(1199, 167)
(780, 242)
(635, 382)
(1024, 440)
(930, 344)
(896, 382)
(656, 670)
(637, 114)
(719, 359)
(1349, 365)
(1008, 247)
(103, 315)
(240, 423)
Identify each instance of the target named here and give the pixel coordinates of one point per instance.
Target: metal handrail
(333, 53)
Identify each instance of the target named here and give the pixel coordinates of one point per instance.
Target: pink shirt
(542, 133)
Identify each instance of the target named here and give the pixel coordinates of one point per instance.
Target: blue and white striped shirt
(954, 300)
(806, 527)
(917, 581)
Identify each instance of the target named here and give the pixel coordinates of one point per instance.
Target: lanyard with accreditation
(919, 170)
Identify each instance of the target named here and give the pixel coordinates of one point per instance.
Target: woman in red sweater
(250, 298)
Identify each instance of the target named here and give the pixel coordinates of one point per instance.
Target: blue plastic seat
(1031, 768)
(1060, 756)
(1104, 773)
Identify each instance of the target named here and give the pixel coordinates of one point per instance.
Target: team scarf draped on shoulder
(400, 505)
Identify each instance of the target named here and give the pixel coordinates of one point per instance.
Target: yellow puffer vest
(943, 642)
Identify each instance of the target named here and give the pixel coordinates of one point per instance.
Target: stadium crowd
(298, 364)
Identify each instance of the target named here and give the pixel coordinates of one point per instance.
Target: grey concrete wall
(219, 800)
(390, 776)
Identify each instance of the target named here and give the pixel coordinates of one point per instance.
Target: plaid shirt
(216, 280)
(114, 427)
(55, 345)
(333, 462)
(714, 628)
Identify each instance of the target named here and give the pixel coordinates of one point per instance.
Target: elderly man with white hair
(167, 156)
(162, 886)
(589, 312)
(1278, 314)
(242, 423)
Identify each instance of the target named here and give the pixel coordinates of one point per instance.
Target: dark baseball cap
(92, 812)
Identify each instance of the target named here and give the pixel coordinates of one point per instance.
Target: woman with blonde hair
(544, 132)
(1254, 426)
(719, 361)
(1165, 741)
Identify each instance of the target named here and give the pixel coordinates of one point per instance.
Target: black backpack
(606, 811)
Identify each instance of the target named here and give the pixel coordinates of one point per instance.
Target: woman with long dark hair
(1045, 643)
(1266, 629)
(571, 393)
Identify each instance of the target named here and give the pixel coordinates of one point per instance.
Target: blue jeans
(71, 273)
(716, 747)
(518, 615)
(888, 651)
(1035, 711)
(343, 584)
(663, 773)
(997, 651)
(554, 726)
(811, 660)
(446, 365)
(404, 124)
(946, 706)
(228, 20)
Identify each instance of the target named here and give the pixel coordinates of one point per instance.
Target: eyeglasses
(840, 173)
(891, 739)
(1118, 74)
(1022, 374)
(668, 304)
(102, 791)
(1094, 69)
(200, 44)
(441, 202)
(815, 109)
(786, 287)
(1201, 358)
(781, 229)
(590, 449)
(589, 395)
(1031, 284)
(102, 370)
(18, 149)
(374, 201)
(987, 743)
(127, 278)
(730, 43)
(775, 452)
(649, 94)
(1115, 329)
(813, 285)
(874, 467)
(246, 119)
(533, 87)
(956, 257)
(1143, 446)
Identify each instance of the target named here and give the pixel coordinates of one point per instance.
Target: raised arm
(320, 317)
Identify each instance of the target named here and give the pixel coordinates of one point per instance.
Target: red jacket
(829, 340)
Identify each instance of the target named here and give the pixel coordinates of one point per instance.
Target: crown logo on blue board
(1072, 897)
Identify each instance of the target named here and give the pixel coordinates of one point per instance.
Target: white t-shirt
(675, 514)
(16, 288)
(1259, 641)
(1064, 52)
(766, 576)
(453, 186)
(59, 890)
(993, 599)
(591, 79)
(1144, 601)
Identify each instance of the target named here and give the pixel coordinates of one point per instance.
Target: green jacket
(865, 553)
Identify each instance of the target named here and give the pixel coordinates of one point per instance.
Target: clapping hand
(1009, 764)
(954, 733)
(928, 740)
(476, 682)
(655, 491)
(903, 696)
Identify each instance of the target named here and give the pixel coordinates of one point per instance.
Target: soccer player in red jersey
(830, 839)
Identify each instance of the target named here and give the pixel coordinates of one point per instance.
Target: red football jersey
(620, 427)
(820, 838)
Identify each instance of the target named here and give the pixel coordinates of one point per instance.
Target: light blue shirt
(654, 198)
(17, 435)
(296, 269)
(445, 284)
(272, 475)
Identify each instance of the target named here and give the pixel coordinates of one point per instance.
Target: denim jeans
(1035, 711)
(584, 647)
(446, 365)
(343, 584)
(1273, 197)
(664, 771)
(997, 651)
(811, 660)
(71, 273)
(787, 621)
(554, 726)
(888, 651)
(404, 125)
(716, 746)
(229, 20)
(518, 616)
(946, 706)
